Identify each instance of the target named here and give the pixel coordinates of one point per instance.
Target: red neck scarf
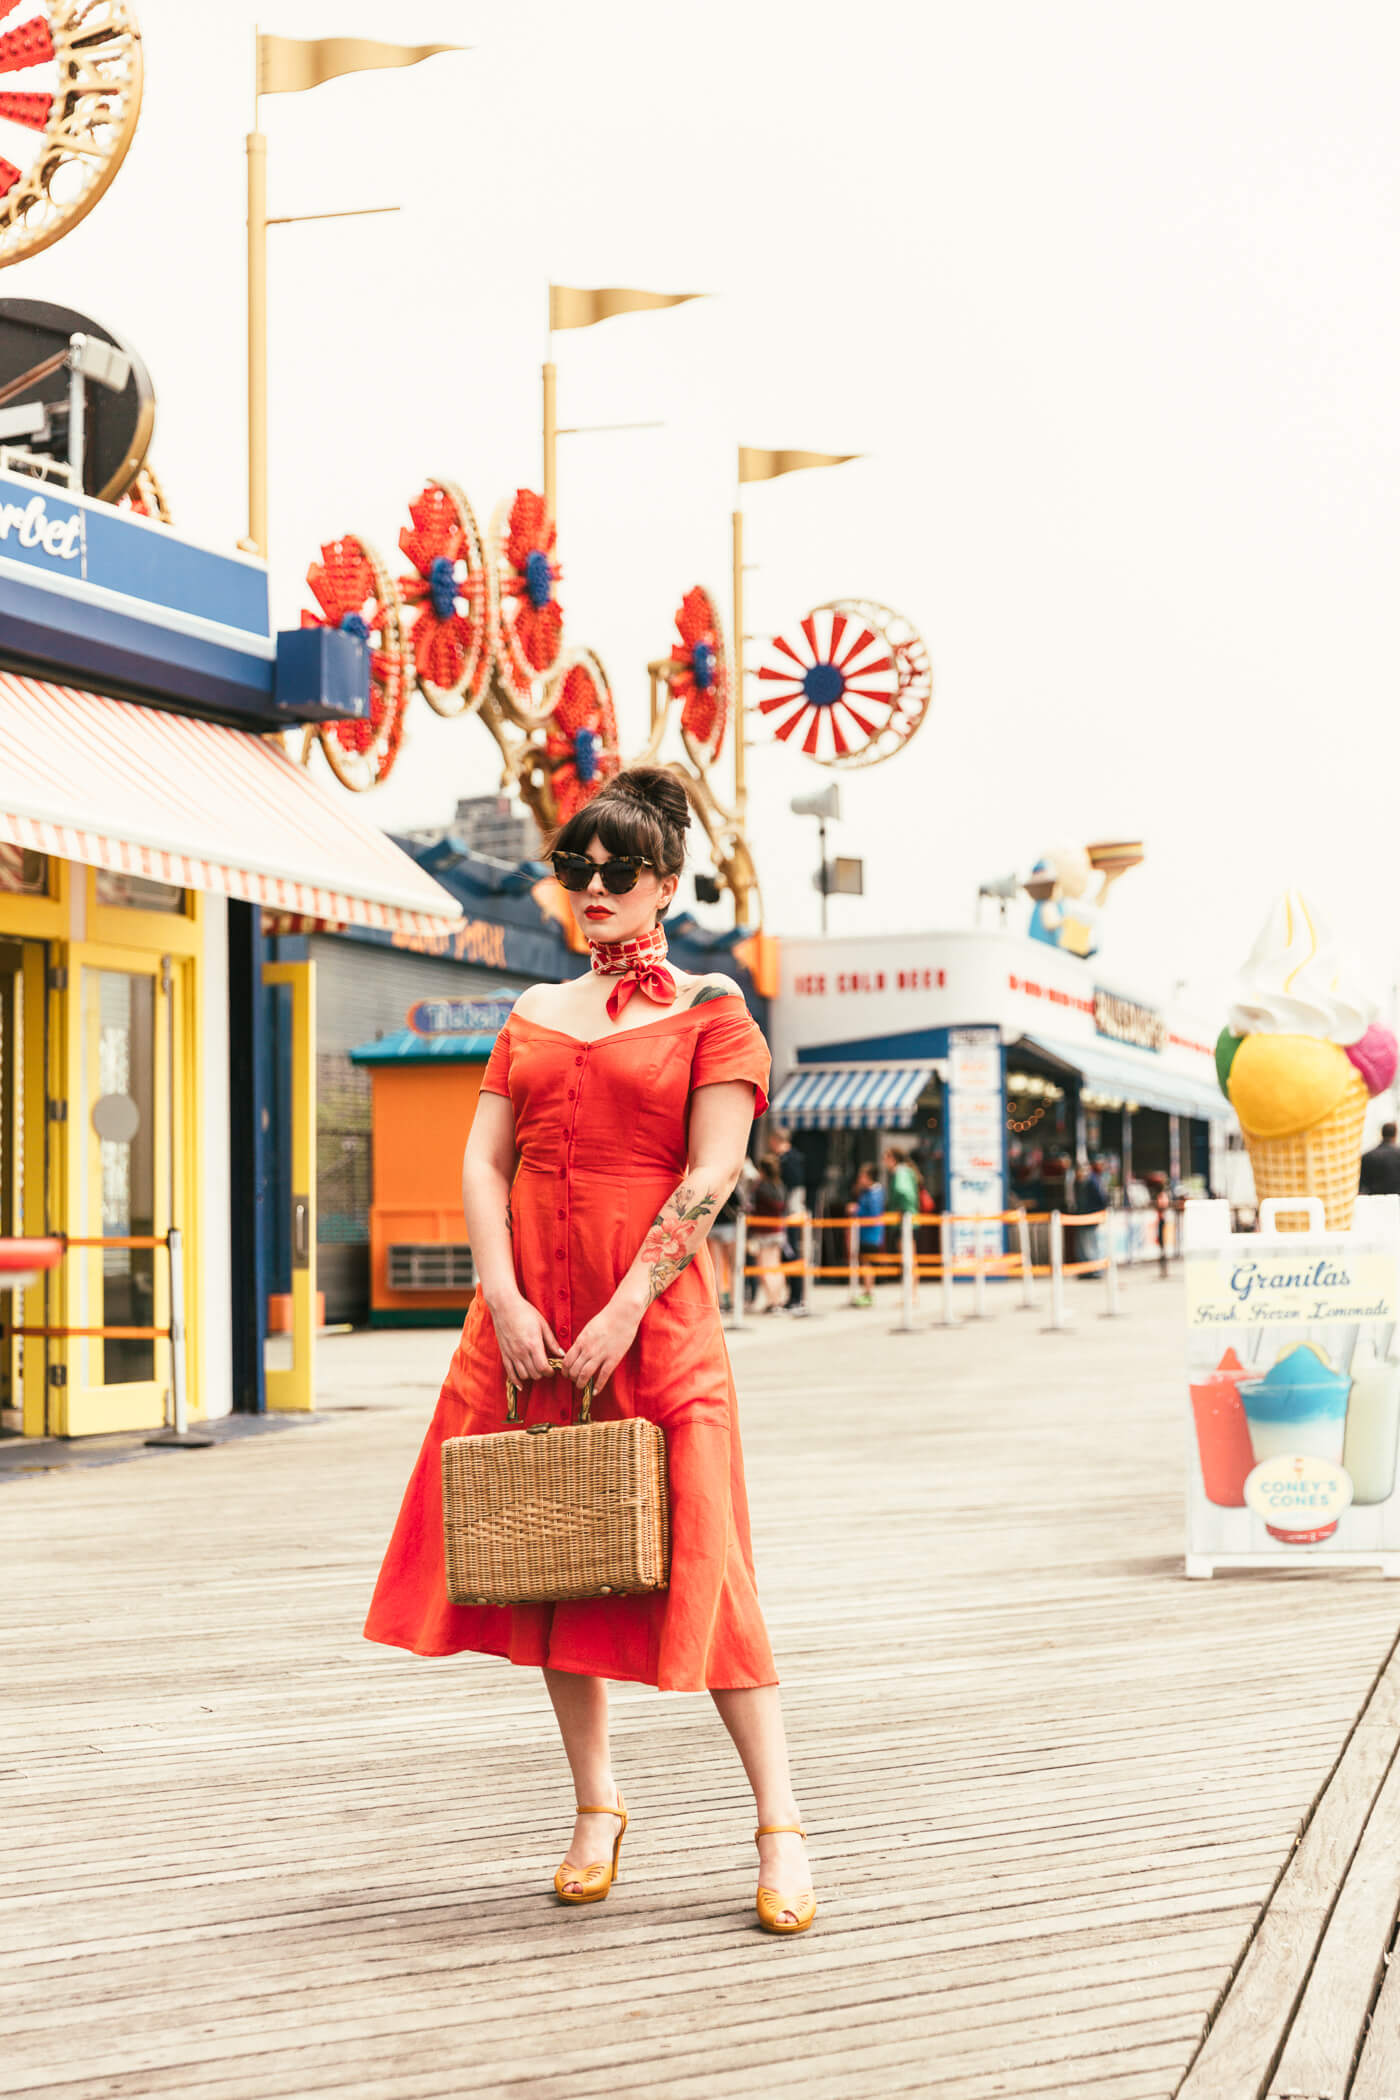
(638, 966)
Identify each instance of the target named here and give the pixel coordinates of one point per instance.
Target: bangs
(620, 827)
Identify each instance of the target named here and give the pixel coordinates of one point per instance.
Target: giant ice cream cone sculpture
(1298, 1059)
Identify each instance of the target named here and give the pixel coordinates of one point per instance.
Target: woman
(768, 1209)
(613, 1121)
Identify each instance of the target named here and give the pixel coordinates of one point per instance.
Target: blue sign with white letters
(105, 597)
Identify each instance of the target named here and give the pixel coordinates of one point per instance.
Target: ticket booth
(425, 1080)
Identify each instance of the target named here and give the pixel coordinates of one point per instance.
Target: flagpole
(256, 542)
(741, 793)
(551, 434)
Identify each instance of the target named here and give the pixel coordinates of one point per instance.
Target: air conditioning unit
(431, 1265)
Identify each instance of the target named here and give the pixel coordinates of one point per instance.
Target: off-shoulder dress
(601, 1132)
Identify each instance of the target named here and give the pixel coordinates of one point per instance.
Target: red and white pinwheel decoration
(450, 599)
(531, 629)
(700, 676)
(581, 745)
(356, 592)
(855, 680)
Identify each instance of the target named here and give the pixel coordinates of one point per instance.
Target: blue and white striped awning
(850, 1097)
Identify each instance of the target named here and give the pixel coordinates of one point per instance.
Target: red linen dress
(601, 1131)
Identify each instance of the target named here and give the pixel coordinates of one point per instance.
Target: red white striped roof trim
(118, 785)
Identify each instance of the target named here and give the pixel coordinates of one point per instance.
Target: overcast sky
(1107, 293)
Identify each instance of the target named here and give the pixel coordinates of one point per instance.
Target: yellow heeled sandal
(595, 1880)
(770, 1905)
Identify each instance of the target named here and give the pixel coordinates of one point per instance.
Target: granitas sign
(1265, 1288)
(1294, 1388)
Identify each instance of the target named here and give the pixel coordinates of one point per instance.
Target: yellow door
(290, 1359)
(23, 1197)
(123, 1163)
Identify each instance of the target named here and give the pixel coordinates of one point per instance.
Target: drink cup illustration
(1297, 1412)
(1222, 1433)
(1373, 1429)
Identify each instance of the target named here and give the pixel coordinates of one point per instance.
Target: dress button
(558, 1254)
(571, 1093)
(578, 1060)
(561, 1216)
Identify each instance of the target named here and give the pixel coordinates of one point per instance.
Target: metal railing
(174, 1333)
(946, 1266)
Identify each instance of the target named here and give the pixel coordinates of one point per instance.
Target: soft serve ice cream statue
(1298, 1058)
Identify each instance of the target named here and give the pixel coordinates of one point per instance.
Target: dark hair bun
(652, 788)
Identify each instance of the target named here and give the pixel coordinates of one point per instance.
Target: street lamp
(825, 806)
(1005, 889)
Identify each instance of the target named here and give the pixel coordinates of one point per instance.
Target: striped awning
(133, 789)
(850, 1097)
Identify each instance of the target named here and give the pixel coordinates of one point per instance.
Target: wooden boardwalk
(1056, 1792)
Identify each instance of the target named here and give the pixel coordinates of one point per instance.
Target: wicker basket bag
(550, 1512)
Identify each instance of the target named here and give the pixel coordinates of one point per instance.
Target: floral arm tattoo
(676, 1232)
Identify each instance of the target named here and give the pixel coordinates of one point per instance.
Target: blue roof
(404, 1047)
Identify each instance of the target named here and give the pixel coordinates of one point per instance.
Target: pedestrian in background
(1091, 1196)
(723, 1238)
(868, 1202)
(1380, 1167)
(793, 1169)
(766, 1208)
(901, 1194)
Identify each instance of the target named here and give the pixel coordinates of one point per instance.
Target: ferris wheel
(68, 110)
(582, 744)
(700, 676)
(355, 592)
(855, 679)
(450, 599)
(530, 631)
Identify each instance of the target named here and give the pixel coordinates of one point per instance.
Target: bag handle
(556, 1363)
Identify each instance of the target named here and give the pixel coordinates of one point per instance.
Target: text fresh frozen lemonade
(1298, 1409)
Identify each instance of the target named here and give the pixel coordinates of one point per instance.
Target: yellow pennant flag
(757, 465)
(572, 306)
(287, 64)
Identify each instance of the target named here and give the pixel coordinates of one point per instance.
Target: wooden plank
(1245, 2040)
(252, 1858)
(1329, 2024)
(1378, 2071)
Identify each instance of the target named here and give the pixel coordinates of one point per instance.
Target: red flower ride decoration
(581, 747)
(531, 629)
(356, 592)
(855, 680)
(700, 676)
(450, 598)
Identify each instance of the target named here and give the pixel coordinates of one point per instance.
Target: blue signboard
(461, 1016)
(100, 596)
(101, 553)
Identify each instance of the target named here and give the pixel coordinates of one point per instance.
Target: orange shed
(424, 1094)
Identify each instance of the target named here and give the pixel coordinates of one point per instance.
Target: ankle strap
(581, 1808)
(772, 1830)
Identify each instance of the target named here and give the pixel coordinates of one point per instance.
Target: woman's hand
(525, 1339)
(603, 1343)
